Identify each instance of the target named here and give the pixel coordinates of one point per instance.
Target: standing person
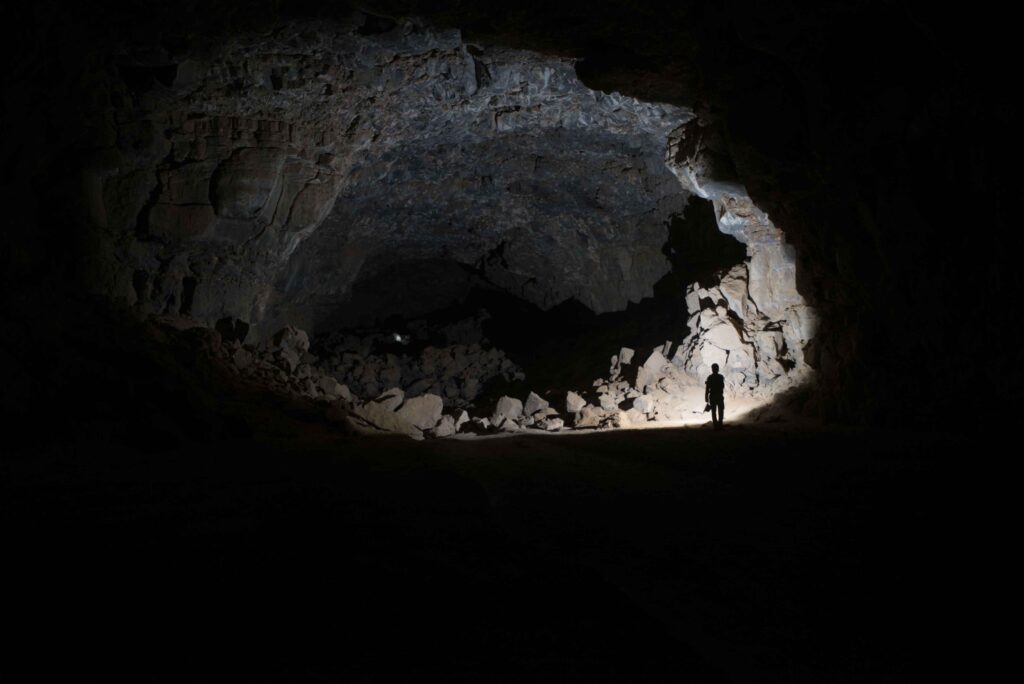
(714, 395)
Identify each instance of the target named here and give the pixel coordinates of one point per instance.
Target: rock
(534, 404)
(376, 417)
(461, 420)
(651, 371)
(608, 402)
(626, 356)
(644, 404)
(287, 359)
(507, 410)
(423, 412)
(419, 387)
(594, 417)
(445, 428)
(574, 403)
(552, 424)
(634, 417)
(330, 386)
(292, 338)
(391, 399)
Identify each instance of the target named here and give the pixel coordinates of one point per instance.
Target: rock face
(275, 171)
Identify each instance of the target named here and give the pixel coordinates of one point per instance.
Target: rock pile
(756, 352)
(656, 390)
(416, 417)
(455, 372)
(282, 363)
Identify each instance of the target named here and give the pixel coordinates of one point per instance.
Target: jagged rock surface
(274, 171)
(456, 372)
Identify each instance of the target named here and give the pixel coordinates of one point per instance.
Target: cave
(370, 341)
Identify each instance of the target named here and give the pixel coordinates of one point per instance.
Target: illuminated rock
(551, 423)
(534, 404)
(377, 417)
(445, 428)
(423, 412)
(574, 403)
(644, 404)
(391, 399)
(596, 417)
(652, 370)
(507, 411)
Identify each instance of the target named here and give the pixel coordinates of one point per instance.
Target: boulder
(290, 337)
(330, 386)
(534, 404)
(423, 412)
(508, 410)
(634, 417)
(391, 399)
(551, 424)
(644, 404)
(595, 417)
(445, 428)
(574, 403)
(652, 370)
(377, 417)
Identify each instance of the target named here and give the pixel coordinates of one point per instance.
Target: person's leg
(715, 413)
(721, 412)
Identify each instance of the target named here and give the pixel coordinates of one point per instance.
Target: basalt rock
(277, 170)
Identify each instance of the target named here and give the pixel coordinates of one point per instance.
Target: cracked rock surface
(274, 171)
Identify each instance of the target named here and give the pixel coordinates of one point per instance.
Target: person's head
(714, 368)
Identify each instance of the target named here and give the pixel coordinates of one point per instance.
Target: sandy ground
(294, 552)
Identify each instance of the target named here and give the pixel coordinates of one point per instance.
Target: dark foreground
(293, 552)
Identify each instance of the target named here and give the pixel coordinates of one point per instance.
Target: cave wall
(873, 134)
(261, 177)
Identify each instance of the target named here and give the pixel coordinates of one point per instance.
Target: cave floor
(300, 553)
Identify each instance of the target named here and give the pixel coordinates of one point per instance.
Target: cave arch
(294, 165)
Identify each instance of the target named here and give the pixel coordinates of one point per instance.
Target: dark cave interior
(528, 188)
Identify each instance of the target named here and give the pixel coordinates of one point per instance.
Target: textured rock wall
(261, 177)
(754, 324)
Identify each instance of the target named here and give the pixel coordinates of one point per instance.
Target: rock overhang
(281, 150)
(282, 168)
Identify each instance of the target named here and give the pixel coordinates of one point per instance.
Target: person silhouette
(714, 396)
